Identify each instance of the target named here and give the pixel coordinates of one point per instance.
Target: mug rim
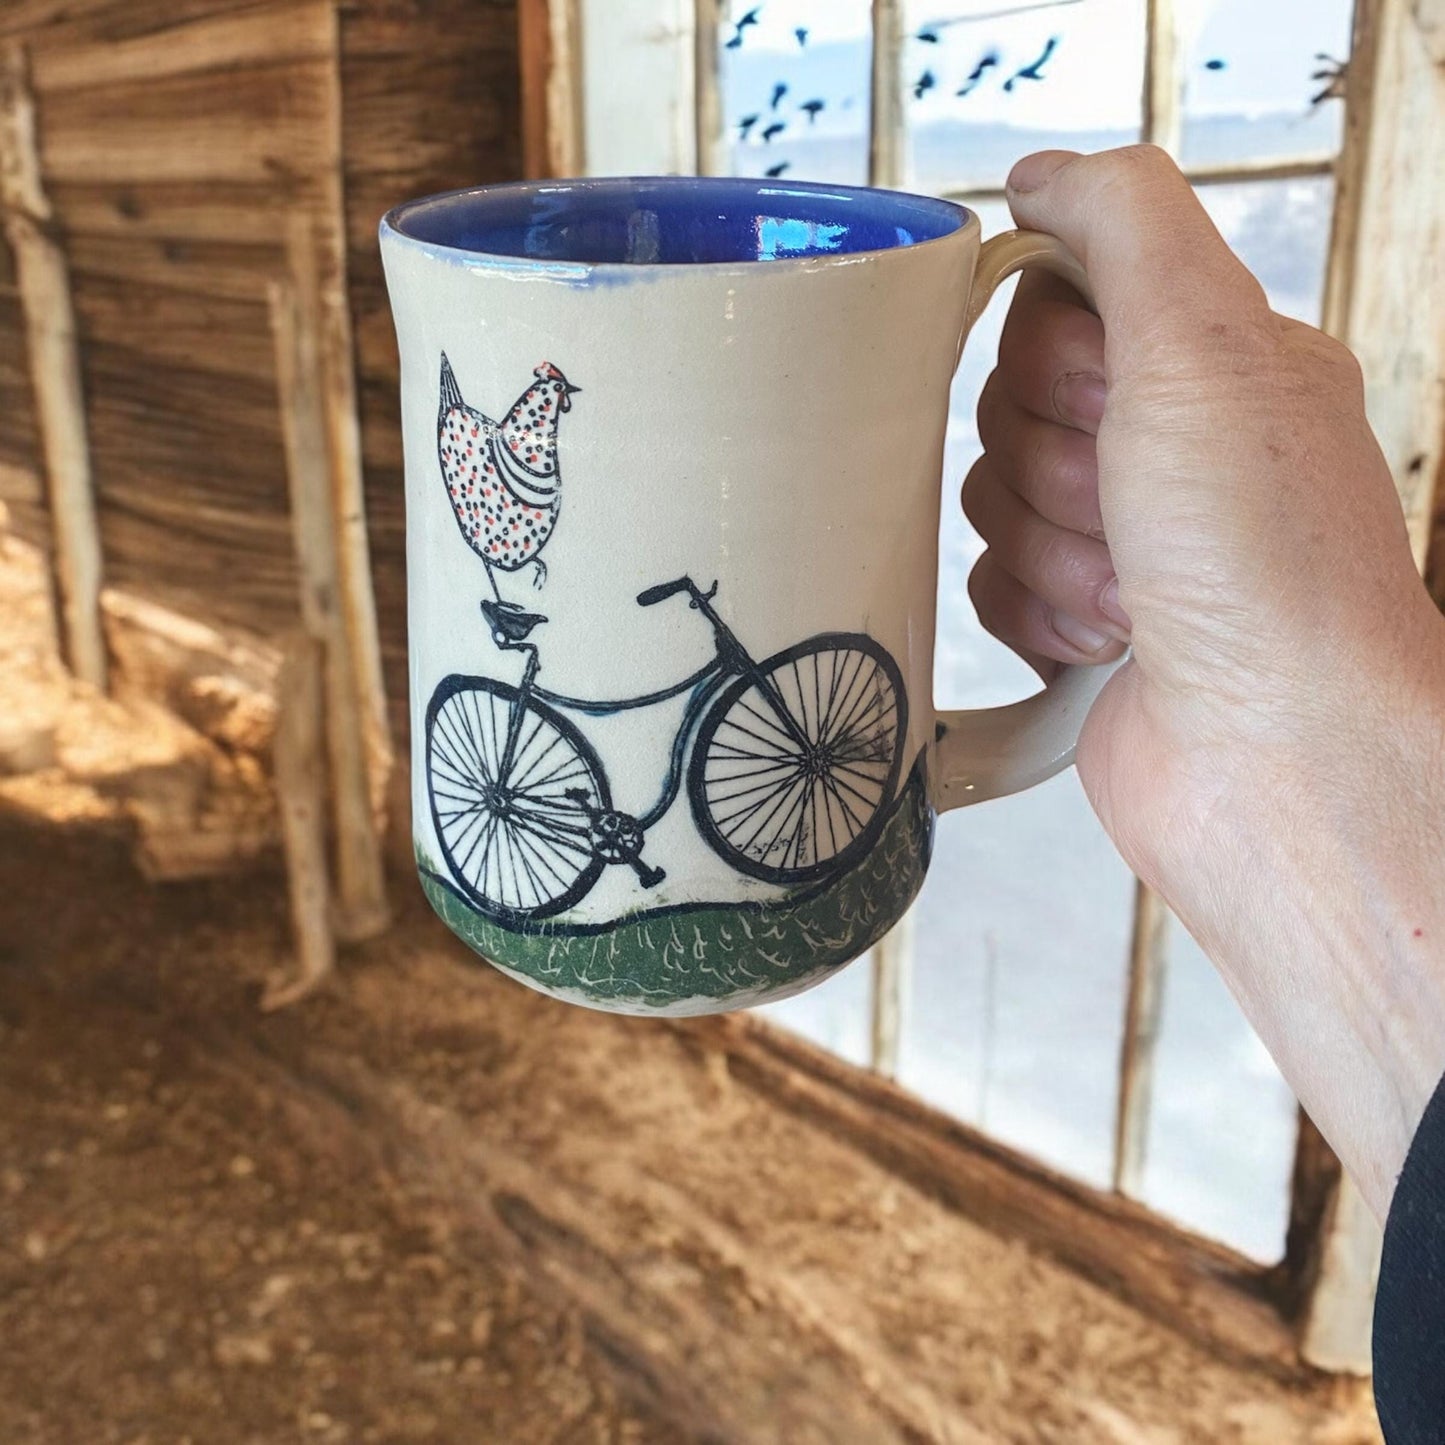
(956, 219)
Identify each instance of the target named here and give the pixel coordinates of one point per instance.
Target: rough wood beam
(44, 284)
(361, 891)
(885, 112)
(299, 763)
(549, 43)
(1148, 962)
(707, 88)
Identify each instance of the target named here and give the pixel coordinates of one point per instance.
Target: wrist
(1321, 904)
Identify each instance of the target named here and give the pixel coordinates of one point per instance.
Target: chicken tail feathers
(451, 392)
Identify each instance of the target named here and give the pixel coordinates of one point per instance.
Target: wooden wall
(431, 102)
(177, 138)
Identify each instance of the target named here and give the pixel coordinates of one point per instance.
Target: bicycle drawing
(790, 764)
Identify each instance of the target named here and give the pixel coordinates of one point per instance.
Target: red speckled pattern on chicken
(503, 478)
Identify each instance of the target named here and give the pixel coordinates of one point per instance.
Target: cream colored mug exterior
(771, 430)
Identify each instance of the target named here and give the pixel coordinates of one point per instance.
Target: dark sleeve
(1409, 1341)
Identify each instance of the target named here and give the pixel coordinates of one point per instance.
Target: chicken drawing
(503, 477)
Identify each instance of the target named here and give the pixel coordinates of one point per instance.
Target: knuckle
(1344, 361)
(1141, 164)
(974, 497)
(990, 411)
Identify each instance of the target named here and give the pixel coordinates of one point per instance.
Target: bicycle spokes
(799, 758)
(508, 817)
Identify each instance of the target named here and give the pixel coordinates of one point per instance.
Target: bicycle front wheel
(796, 763)
(516, 839)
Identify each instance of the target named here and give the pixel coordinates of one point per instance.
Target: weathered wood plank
(1163, 119)
(554, 82)
(43, 283)
(221, 337)
(431, 103)
(256, 36)
(298, 321)
(887, 165)
(264, 123)
(299, 770)
(228, 271)
(216, 212)
(71, 22)
(1148, 962)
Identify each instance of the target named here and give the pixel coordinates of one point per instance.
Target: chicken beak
(568, 394)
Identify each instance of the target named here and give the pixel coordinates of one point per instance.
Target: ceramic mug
(673, 458)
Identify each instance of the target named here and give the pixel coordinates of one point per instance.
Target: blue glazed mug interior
(673, 221)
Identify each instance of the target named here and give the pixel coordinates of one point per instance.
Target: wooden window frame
(1312, 1309)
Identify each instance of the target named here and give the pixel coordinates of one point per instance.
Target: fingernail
(1032, 171)
(1109, 606)
(1079, 634)
(1079, 398)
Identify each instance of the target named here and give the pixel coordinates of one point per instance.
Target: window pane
(1222, 1130)
(1016, 1007)
(836, 1015)
(1281, 231)
(982, 88)
(796, 79)
(1248, 77)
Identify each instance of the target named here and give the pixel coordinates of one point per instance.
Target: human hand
(1193, 475)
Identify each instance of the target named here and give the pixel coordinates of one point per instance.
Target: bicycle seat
(513, 622)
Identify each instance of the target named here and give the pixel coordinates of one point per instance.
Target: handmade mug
(673, 454)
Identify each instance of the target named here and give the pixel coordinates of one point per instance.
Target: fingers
(1020, 619)
(1040, 587)
(1053, 468)
(1160, 270)
(1051, 354)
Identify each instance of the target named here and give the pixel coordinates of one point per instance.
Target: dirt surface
(429, 1205)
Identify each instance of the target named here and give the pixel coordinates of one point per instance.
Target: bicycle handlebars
(650, 596)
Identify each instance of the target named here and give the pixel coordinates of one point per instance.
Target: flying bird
(928, 37)
(746, 124)
(812, 107)
(773, 172)
(751, 18)
(503, 477)
(924, 84)
(1034, 70)
(779, 91)
(985, 64)
(776, 129)
(802, 33)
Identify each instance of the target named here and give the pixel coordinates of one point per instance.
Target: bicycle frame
(730, 659)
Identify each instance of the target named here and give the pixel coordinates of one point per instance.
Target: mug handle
(991, 752)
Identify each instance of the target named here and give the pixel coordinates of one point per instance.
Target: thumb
(1159, 269)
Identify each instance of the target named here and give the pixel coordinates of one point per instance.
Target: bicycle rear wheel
(515, 840)
(794, 766)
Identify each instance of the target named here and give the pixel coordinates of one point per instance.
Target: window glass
(836, 1014)
(1281, 231)
(796, 80)
(1222, 1128)
(1017, 995)
(985, 82)
(1255, 90)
